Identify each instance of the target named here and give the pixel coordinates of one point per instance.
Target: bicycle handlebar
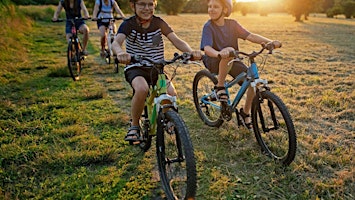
(109, 18)
(268, 46)
(73, 19)
(184, 57)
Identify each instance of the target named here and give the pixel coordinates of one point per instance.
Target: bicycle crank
(226, 111)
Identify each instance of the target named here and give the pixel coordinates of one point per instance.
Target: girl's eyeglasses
(142, 5)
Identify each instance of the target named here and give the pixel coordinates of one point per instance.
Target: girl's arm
(94, 13)
(118, 10)
(84, 9)
(122, 56)
(183, 46)
(56, 13)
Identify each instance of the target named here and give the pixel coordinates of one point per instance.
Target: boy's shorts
(212, 64)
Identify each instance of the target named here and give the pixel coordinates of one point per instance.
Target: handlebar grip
(58, 20)
(231, 54)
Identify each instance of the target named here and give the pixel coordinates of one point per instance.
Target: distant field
(64, 140)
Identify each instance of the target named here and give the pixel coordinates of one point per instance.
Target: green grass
(64, 140)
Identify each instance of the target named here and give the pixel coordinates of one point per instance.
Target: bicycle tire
(116, 65)
(175, 155)
(74, 60)
(273, 127)
(203, 85)
(144, 124)
(107, 56)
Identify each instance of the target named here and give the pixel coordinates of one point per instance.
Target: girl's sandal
(221, 94)
(244, 116)
(133, 135)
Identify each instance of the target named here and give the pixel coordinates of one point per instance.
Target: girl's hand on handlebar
(124, 58)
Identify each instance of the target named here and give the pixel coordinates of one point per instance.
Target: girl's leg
(141, 89)
(84, 29)
(102, 30)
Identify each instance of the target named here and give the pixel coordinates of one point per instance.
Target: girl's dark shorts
(212, 64)
(68, 25)
(100, 23)
(149, 74)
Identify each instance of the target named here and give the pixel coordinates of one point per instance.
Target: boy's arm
(118, 10)
(84, 9)
(255, 38)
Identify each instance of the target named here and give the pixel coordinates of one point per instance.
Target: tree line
(297, 8)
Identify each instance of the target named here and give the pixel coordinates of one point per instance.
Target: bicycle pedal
(226, 111)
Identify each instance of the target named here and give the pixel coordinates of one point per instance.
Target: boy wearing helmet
(219, 37)
(142, 34)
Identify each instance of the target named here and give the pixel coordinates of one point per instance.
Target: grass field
(64, 140)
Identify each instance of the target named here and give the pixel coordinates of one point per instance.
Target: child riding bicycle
(219, 38)
(104, 9)
(73, 9)
(142, 34)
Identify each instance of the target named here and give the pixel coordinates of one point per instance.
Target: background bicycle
(160, 118)
(272, 123)
(75, 55)
(110, 37)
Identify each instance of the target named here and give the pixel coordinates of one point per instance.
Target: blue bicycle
(271, 121)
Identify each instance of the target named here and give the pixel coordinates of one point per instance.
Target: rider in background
(219, 38)
(142, 34)
(104, 9)
(73, 9)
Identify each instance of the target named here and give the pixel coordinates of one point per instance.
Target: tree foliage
(172, 7)
(196, 6)
(302, 7)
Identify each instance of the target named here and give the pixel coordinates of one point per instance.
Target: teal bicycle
(160, 118)
(271, 121)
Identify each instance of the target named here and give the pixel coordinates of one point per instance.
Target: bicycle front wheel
(273, 127)
(144, 124)
(205, 102)
(175, 155)
(74, 60)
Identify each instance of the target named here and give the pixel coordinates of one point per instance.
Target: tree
(300, 7)
(195, 6)
(348, 8)
(172, 7)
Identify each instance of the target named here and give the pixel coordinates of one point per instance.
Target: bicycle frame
(251, 78)
(157, 100)
(109, 35)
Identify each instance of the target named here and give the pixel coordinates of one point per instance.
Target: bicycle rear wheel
(205, 103)
(116, 65)
(175, 155)
(107, 56)
(273, 127)
(74, 60)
